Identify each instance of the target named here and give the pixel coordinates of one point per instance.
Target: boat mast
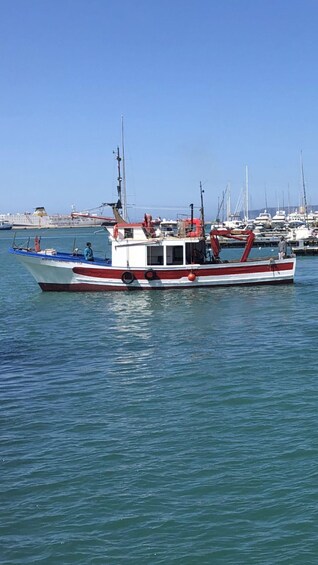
(124, 198)
(119, 179)
(304, 185)
(116, 206)
(220, 207)
(228, 201)
(246, 194)
(202, 211)
(266, 205)
(191, 217)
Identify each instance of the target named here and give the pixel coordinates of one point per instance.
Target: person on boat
(282, 248)
(88, 252)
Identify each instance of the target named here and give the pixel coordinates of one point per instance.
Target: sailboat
(304, 238)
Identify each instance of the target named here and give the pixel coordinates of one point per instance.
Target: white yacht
(264, 219)
(279, 220)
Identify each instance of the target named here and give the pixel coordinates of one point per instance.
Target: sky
(205, 89)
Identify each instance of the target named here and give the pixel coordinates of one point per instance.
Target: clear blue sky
(206, 88)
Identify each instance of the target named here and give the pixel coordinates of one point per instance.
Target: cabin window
(174, 255)
(195, 252)
(154, 255)
(128, 233)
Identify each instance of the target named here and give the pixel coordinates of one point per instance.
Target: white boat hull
(62, 273)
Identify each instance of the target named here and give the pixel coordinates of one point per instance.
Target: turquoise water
(174, 427)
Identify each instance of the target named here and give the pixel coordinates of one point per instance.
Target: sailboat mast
(304, 185)
(266, 205)
(228, 201)
(246, 194)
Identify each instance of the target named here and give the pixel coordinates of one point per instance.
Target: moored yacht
(263, 219)
(279, 220)
(5, 225)
(296, 219)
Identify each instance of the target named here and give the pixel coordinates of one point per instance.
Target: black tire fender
(127, 277)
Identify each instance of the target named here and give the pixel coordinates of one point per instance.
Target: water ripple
(159, 427)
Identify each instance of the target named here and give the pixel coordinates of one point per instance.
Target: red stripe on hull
(87, 287)
(217, 271)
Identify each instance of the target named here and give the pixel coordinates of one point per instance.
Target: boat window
(154, 255)
(175, 255)
(195, 252)
(128, 233)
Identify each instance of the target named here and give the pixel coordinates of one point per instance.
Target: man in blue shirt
(88, 252)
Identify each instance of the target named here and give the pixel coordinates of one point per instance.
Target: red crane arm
(241, 235)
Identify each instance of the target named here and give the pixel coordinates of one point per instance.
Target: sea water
(175, 427)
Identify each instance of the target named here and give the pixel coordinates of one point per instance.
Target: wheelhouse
(139, 245)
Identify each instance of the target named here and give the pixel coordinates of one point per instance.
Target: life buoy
(127, 277)
(37, 246)
(150, 275)
(115, 231)
(195, 223)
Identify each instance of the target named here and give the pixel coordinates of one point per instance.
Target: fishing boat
(146, 259)
(146, 256)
